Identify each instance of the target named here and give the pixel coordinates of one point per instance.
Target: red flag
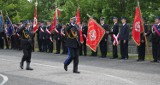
(137, 26)
(54, 21)
(95, 34)
(78, 21)
(78, 17)
(35, 24)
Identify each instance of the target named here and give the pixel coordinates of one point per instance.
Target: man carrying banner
(156, 40)
(124, 37)
(114, 34)
(142, 46)
(73, 44)
(103, 42)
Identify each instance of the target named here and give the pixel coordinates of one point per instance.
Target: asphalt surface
(48, 70)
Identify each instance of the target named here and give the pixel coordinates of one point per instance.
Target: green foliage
(22, 9)
(17, 9)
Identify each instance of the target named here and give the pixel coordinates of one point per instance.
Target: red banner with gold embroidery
(137, 26)
(95, 34)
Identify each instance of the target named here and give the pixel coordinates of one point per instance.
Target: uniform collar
(102, 24)
(72, 24)
(115, 23)
(124, 24)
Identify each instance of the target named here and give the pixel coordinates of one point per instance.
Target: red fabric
(35, 24)
(95, 34)
(54, 21)
(137, 27)
(78, 21)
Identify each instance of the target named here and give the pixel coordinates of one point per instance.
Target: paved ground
(48, 70)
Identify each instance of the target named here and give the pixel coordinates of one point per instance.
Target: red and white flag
(54, 21)
(35, 23)
(137, 26)
(95, 34)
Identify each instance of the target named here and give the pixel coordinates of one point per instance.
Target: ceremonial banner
(137, 27)
(1, 23)
(10, 28)
(95, 34)
(35, 23)
(55, 18)
(78, 21)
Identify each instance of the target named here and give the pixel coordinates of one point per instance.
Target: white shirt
(124, 24)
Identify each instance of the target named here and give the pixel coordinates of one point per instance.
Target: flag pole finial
(36, 3)
(89, 15)
(138, 2)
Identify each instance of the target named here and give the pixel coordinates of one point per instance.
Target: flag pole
(146, 41)
(36, 4)
(89, 15)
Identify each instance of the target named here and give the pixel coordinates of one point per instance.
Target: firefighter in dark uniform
(27, 46)
(51, 43)
(50, 40)
(63, 39)
(124, 38)
(58, 37)
(103, 42)
(47, 36)
(141, 48)
(114, 36)
(40, 36)
(156, 40)
(31, 28)
(84, 32)
(73, 44)
(16, 37)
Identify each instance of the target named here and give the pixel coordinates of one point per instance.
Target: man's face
(48, 23)
(115, 20)
(64, 26)
(102, 21)
(156, 21)
(123, 21)
(27, 25)
(71, 20)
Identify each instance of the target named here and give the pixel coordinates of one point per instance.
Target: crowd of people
(10, 38)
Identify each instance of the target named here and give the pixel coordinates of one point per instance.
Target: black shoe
(77, 72)
(155, 61)
(21, 65)
(139, 60)
(103, 56)
(65, 68)
(124, 58)
(113, 58)
(28, 67)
